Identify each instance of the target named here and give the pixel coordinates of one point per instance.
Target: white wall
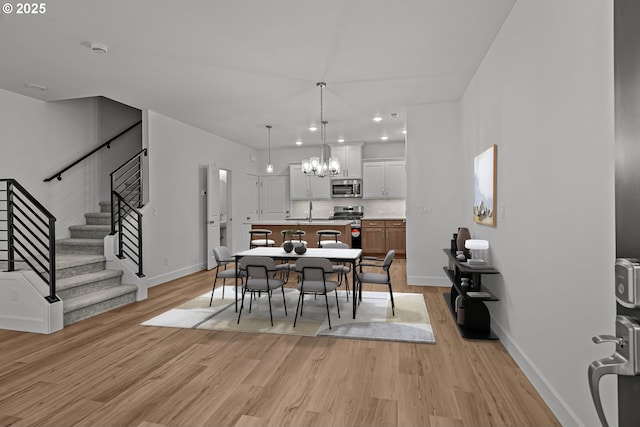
(115, 117)
(435, 182)
(39, 138)
(544, 95)
(172, 226)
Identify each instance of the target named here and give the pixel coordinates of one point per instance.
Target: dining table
(350, 256)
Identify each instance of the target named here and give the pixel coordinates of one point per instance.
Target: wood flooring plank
(111, 371)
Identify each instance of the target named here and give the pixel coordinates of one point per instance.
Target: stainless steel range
(354, 214)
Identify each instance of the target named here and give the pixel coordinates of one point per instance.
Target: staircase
(85, 286)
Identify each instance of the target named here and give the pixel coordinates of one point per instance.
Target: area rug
(374, 319)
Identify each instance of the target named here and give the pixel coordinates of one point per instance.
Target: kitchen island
(310, 228)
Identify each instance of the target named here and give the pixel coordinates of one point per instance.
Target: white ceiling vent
(99, 48)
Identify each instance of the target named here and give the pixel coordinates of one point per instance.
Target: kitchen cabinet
(384, 179)
(350, 157)
(304, 187)
(380, 236)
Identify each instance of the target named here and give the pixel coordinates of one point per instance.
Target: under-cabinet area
(381, 235)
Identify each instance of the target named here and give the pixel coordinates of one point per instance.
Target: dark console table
(477, 319)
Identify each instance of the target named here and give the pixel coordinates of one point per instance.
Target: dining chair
(261, 272)
(313, 274)
(260, 237)
(378, 278)
(223, 259)
(326, 236)
(340, 268)
(293, 236)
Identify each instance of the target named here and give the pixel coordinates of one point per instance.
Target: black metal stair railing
(58, 175)
(129, 229)
(27, 234)
(127, 197)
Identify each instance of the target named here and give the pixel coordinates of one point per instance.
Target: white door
(251, 201)
(274, 197)
(212, 194)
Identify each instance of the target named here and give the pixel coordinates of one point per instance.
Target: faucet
(310, 210)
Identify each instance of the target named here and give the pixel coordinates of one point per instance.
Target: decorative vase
(300, 249)
(288, 247)
(463, 236)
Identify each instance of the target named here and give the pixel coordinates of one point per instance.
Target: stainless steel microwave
(346, 188)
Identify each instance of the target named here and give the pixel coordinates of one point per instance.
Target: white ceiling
(232, 66)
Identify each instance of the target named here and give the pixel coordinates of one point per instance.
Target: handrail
(22, 239)
(107, 144)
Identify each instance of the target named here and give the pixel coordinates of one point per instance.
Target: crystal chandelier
(324, 165)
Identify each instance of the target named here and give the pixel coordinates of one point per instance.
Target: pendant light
(324, 165)
(269, 165)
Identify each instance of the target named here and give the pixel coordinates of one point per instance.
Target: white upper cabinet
(350, 156)
(384, 180)
(304, 187)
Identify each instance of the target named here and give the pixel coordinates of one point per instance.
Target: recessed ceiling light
(36, 86)
(341, 140)
(377, 119)
(384, 138)
(313, 128)
(298, 142)
(404, 131)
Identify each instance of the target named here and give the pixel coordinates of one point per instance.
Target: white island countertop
(294, 222)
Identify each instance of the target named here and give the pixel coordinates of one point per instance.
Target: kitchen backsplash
(372, 208)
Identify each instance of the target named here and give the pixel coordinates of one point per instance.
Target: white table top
(278, 252)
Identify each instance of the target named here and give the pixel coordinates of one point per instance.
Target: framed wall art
(484, 187)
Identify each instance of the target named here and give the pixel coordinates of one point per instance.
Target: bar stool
(331, 234)
(293, 236)
(260, 237)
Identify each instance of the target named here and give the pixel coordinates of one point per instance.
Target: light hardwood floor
(110, 371)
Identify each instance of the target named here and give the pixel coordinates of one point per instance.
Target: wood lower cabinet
(380, 236)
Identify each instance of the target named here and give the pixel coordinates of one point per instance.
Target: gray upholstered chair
(378, 278)
(223, 260)
(261, 272)
(313, 274)
(342, 269)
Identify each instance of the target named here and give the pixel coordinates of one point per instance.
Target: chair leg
(241, 305)
(214, 288)
(346, 284)
(270, 314)
(224, 282)
(297, 307)
(284, 301)
(337, 303)
(326, 300)
(393, 305)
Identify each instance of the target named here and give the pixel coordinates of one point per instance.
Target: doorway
(225, 209)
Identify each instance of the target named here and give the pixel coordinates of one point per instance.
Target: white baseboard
(428, 281)
(549, 394)
(172, 275)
